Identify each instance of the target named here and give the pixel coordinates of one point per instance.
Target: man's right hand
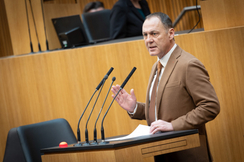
(125, 100)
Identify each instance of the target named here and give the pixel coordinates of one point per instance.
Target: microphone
(128, 77)
(31, 47)
(121, 87)
(35, 26)
(95, 130)
(105, 77)
(98, 87)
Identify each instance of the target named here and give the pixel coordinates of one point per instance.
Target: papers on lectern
(141, 130)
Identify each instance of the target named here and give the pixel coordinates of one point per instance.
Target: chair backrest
(25, 142)
(97, 25)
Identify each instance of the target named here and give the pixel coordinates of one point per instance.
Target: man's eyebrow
(150, 31)
(154, 31)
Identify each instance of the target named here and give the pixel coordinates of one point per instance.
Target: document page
(141, 130)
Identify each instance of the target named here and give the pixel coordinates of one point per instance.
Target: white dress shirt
(164, 60)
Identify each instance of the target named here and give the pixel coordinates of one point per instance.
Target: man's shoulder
(185, 58)
(184, 54)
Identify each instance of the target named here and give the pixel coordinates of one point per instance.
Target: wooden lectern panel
(161, 147)
(138, 152)
(87, 156)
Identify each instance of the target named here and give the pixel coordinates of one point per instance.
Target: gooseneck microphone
(86, 131)
(95, 129)
(78, 129)
(121, 87)
(98, 87)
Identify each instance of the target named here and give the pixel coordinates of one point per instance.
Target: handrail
(184, 11)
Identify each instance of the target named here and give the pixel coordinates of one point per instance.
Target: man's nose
(149, 38)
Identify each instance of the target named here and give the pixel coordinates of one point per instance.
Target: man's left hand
(160, 125)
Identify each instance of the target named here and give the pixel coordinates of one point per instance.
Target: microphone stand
(44, 26)
(35, 26)
(95, 129)
(97, 88)
(121, 87)
(102, 129)
(31, 46)
(86, 131)
(78, 128)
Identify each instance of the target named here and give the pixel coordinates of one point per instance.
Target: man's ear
(171, 33)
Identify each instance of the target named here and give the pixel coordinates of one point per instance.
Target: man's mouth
(152, 47)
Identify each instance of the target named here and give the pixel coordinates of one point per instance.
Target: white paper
(141, 130)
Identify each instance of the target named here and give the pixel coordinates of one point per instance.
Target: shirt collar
(166, 57)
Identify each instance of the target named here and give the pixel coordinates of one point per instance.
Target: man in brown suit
(185, 98)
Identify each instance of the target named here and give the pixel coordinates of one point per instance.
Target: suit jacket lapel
(166, 74)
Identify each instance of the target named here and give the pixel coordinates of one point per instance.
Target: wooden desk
(139, 149)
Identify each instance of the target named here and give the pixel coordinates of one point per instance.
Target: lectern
(130, 150)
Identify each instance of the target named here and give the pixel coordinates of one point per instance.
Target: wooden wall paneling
(36, 25)
(222, 13)
(16, 15)
(187, 17)
(224, 62)
(5, 41)
(178, 8)
(18, 26)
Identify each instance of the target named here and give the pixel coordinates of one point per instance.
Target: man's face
(157, 39)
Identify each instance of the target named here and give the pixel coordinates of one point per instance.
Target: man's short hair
(166, 21)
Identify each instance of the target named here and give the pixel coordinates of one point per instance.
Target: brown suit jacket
(186, 98)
